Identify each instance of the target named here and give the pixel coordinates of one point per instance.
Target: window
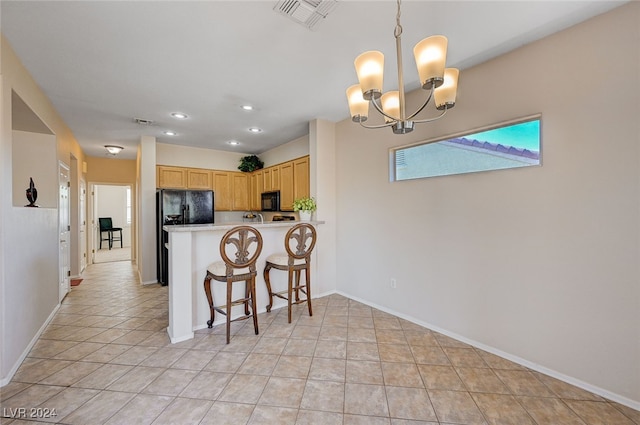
(510, 145)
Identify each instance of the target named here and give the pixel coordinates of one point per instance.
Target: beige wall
(540, 263)
(184, 156)
(286, 152)
(32, 155)
(28, 236)
(111, 170)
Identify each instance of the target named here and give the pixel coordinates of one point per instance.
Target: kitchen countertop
(231, 224)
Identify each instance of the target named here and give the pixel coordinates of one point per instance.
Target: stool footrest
(293, 289)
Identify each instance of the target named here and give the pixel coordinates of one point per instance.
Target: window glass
(503, 146)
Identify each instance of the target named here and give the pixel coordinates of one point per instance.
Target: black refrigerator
(178, 207)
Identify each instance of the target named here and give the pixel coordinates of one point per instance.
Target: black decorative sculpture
(32, 194)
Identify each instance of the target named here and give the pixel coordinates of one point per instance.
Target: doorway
(113, 201)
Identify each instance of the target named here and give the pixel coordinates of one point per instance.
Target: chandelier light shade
(442, 83)
(370, 68)
(113, 150)
(430, 55)
(391, 105)
(445, 95)
(358, 106)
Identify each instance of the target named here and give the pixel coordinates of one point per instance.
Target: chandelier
(430, 55)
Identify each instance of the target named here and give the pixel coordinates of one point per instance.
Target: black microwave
(271, 201)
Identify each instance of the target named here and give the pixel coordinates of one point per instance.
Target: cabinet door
(240, 183)
(171, 177)
(257, 187)
(268, 186)
(301, 178)
(286, 186)
(275, 177)
(222, 190)
(198, 179)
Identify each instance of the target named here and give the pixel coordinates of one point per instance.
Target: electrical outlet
(393, 283)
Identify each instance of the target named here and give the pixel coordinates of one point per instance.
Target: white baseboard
(6, 379)
(526, 363)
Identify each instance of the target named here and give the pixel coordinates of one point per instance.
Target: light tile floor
(106, 359)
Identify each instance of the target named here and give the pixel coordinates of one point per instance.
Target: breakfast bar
(192, 248)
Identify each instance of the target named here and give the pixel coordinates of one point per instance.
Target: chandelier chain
(398, 30)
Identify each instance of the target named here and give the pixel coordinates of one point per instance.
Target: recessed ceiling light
(233, 142)
(179, 115)
(170, 133)
(255, 130)
(247, 107)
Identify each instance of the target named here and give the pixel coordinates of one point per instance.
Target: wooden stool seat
(244, 245)
(299, 243)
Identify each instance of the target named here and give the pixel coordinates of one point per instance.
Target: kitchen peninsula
(192, 248)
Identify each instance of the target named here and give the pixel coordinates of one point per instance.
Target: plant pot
(305, 215)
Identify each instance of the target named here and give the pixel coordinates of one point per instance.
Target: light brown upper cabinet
(222, 189)
(199, 179)
(268, 186)
(231, 190)
(275, 177)
(256, 189)
(286, 186)
(271, 178)
(237, 191)
(240, 183)
(293, 181)
(301, 178)
(171, 177)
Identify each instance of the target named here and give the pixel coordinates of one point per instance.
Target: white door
(83, 225)
(93, 212)
(64, 211)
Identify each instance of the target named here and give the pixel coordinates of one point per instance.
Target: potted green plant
(250, 163)
(305, 206)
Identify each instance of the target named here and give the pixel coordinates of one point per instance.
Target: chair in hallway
(299, 243)
(239, 249)
(106, 226)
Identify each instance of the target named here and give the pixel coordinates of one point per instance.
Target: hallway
(106, 359)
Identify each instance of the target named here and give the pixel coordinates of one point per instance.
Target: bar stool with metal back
(239, 249)
(294, 261)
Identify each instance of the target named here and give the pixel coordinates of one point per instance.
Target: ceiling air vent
(142, 121)
(308, 13)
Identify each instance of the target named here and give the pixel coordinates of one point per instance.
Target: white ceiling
(104, 63)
